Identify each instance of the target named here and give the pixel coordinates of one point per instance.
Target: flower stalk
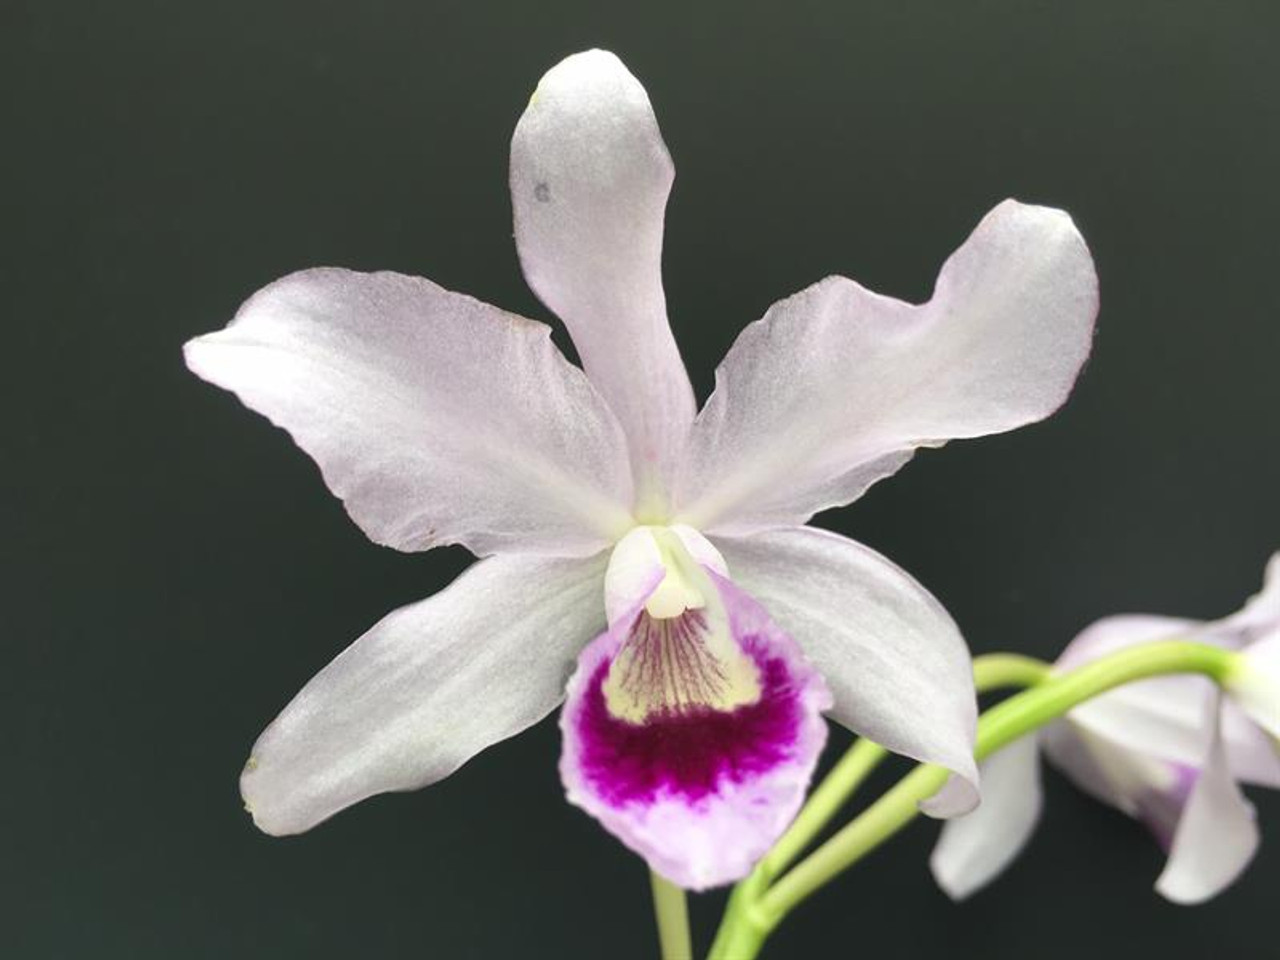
(757, 907)
(991, 671)
(672, 914)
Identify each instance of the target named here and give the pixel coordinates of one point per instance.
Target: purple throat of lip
(690, 753)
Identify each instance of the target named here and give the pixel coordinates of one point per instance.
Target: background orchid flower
(1168, 751)
(664, 552)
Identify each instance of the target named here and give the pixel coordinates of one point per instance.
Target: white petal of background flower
(590, 177)
(435, 417)
(1217, 835)
(892, 656)
(1256, 690)
(836, 386)
(428, 687)
(1164, 716)
(1261, 614)
(974, 848)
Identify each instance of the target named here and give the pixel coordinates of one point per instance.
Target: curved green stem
(1003, 723)
(739, 930)
(995, 671)
(753, 915)
(743, 929)
(990, 672)
(672, 914)
(823, 804)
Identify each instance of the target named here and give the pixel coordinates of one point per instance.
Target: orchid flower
(661, 550)
(1168, 751)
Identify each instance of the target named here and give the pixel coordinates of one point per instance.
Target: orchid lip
(692, 737)
(686, 747)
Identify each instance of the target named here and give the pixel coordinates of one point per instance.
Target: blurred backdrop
(174, 569)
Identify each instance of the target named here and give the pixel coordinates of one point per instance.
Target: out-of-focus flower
(604, 508)
(1168, 751)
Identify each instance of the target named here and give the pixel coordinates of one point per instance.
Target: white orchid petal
(1110, 634)
(836, 386)
(1149, 789)
(893, 658)
(436, 418)
(590, 177)
(1255, 686)
(1217, 834)
(427, 688)
(972, 850)
(1092, 765)
(1163, 716)
(1252, 753)
(1261, 614)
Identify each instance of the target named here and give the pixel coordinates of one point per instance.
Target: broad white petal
(1110, 634)
(836, 386)
(436, 418)
(893, 658)
(427, 688)
(1252, 753)
(1217, 835)
(1094, 765)
(1149, 789)
(1164, 716)
(1255, 687)
(590, 177)
(975, 848)
(1261, 614)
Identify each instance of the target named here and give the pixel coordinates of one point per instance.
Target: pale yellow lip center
(680, 653)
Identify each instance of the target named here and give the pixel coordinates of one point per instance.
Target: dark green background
(174, 569)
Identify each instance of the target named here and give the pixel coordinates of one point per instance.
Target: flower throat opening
(680, 656)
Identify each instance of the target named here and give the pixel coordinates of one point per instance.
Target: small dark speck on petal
(542, 192)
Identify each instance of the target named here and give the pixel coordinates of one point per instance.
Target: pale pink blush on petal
(1151, 789)
(1216, 833)
(836, 386)
(590, 176)
(434, 417)
(896, 663)
(426, 688)
(701, 794)
(973, 849)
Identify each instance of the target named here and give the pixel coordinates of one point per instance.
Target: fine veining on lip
(692, 737)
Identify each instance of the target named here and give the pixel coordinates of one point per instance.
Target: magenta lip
(690, 753)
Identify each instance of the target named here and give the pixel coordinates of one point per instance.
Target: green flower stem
(672, 914)
(995, 671)
(823, 804)
(756, 909)
(743, 928)
(990, 672)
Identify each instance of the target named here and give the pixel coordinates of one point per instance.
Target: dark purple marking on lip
(689, 753)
